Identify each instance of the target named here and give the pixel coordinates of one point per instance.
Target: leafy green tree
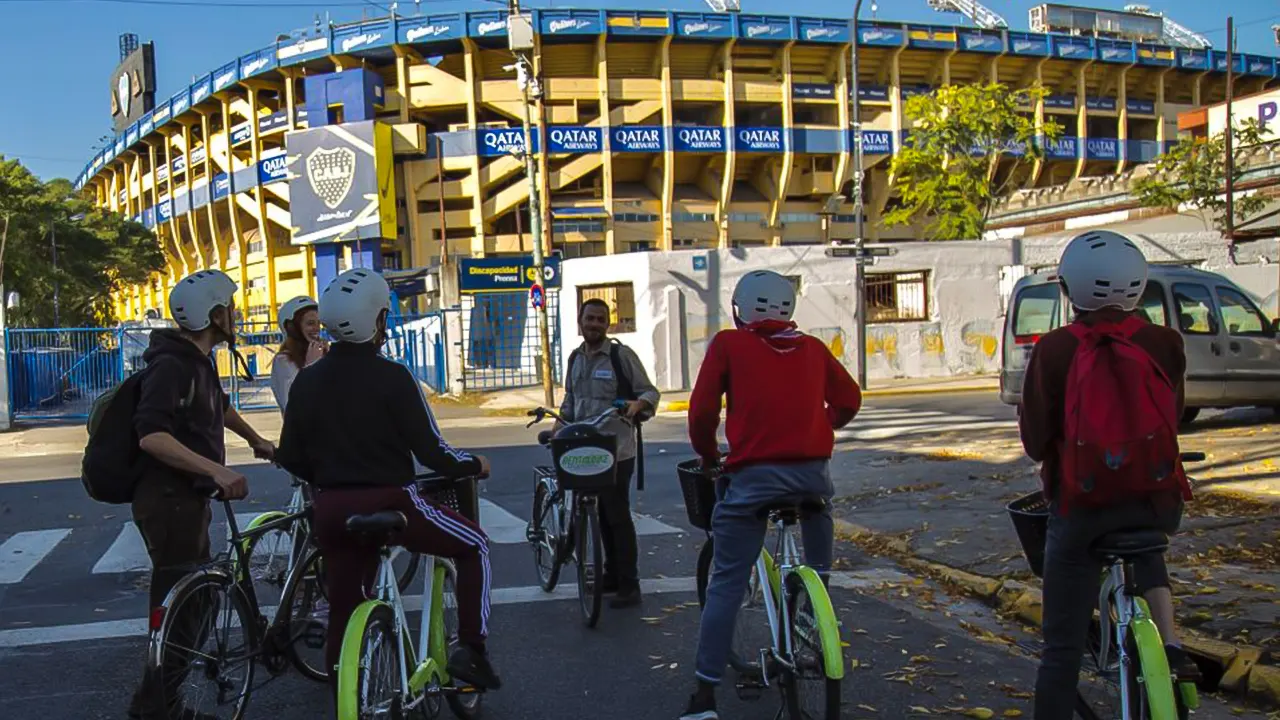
(98, 252)
(949, 169)
(1193, 174)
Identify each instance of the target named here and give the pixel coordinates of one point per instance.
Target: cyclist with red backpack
(1100, 408)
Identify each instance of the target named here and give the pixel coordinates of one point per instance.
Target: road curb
(1236, 666)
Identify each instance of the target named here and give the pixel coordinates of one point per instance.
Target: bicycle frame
(429, 661)
(1133, 615)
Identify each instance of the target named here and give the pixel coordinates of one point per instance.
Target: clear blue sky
(58, 54)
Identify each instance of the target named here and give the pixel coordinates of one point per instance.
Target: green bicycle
(1124, 649)
(803, 643)
(380, 675)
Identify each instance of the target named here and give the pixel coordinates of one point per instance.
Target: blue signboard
(822, 30)
(274, 121)
(363, 36)
(164, 211)
(575, 140)
(505, 141)
(1158, 55)
(883, 36)
(1116, 52)
(131, 136)
(429, 28)
(161, 114)
(925, 36)
(241, 133)
(506, 274)
(198, 155)
(1142, 150)
(162, 172)
(913, 90)
(1144, 107)
(179, 165)
(1072, 48)
(872, 93)
(570, 22)
(813, 90)
(201, 89)
(698, 139)
(1193, 59)
(146, 125)
(226, 75)
(273, 169)
(978, 41)
(759, 139)
(700, 263)
(1100, 103)
(180, 102)
(875, 142)
(487, 24)
(303, 49)
(1028, 44)
(637, 138)
(1060, 102)
(221, 186)
(1065, 147)
(764, 27)
(703, 25)
(1257, 65)
(1102, 149)
(258, 62)
(149, 217)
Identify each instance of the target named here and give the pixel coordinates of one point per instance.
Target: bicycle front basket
(1030, 515)
(461, 497)
(699, 492)
(585, 461)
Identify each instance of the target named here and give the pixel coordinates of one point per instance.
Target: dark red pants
(351, 561)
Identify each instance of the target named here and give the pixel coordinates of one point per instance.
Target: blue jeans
(739, 536)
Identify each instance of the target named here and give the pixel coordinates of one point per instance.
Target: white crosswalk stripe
(22, 552)
(127, 552)
(888, 423)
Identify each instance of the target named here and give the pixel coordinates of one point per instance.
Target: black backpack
(113, 462)
(625, 392)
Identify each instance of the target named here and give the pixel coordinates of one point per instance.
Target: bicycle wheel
(303, 617)
(751, 628)
(202, 656)
(369, 666)
(465, 706)
(808, 693)
(590, 563)
(270, 556)
(544, 535)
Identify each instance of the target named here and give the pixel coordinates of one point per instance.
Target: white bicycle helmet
(763, 295)
(350, 305)
(291, 308)
(196, 295)
(1103, 269)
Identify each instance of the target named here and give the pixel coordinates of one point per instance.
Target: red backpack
(1120, 439)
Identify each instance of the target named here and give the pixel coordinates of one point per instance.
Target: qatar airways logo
(429, 31)
(493, 26)
(638, 138)
(505, 141)
(575, 139)
(761, 139)
(701, 138)
(362, 39)
(563, 25)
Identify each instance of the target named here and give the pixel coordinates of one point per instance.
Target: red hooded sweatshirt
(787, 395)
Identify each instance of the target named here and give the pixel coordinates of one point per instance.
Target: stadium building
(368, 143)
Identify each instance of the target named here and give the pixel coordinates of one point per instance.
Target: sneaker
(702, 706)
(1183, 667)
(626, 598)
(471, 667)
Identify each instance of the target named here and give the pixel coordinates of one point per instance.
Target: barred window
(621, 299)
(897, 297)
(744, 217)
(257, 246)
(692, 217)
(582, 226)
(636, 217)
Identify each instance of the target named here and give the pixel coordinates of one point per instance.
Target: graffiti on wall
(980, 344)
(932, 347)
(882, 350)
(833, 338)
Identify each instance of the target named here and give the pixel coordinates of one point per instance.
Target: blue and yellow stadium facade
(663, 130)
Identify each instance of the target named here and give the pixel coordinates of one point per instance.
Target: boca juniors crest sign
(341, 183)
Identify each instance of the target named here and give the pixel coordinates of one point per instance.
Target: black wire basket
(462, 497)
(1030, 515)
(699, 489)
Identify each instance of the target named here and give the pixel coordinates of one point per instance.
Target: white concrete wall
(679, 308)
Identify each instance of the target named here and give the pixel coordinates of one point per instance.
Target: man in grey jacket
(591, 386)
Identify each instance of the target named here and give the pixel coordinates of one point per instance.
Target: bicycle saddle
(385, 521)
(1130, 543)
(791, 508)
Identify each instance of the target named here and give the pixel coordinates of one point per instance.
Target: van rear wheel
(1189, 415)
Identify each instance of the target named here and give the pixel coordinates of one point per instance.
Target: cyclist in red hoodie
(787, 395)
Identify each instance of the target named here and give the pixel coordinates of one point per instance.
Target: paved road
(72, 599)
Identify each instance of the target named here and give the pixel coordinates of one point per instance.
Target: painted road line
(137, 627)
(502, 527)
(21, 553)
(128, 553)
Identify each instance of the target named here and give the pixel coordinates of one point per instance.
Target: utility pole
(1229, 153)
(520, 39)
(53, 247)
(859, 268)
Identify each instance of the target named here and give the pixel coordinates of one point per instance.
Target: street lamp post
(859, 268)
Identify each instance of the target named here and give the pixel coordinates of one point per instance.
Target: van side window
(1036, 310)
(1240, 315)
(1195, 309)
(1153, 306)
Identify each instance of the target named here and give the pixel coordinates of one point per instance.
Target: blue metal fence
(57, 374)
(500, 344)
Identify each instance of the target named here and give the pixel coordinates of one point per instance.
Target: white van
(1233, 350)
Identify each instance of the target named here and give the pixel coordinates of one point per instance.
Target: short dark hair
(596, 302)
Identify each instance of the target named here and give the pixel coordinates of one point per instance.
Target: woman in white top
(300, 323)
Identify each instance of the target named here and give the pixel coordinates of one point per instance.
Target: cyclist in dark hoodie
(787, 395)
(181, 418)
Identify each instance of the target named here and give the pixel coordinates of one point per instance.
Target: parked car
(1233, 349)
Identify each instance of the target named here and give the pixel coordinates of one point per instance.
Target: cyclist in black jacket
(353, 425)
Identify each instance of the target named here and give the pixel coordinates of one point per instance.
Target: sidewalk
(940, 512)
